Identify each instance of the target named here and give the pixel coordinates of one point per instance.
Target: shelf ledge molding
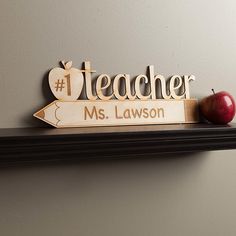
(50, 144)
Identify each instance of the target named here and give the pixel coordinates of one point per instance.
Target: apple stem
(213, 91)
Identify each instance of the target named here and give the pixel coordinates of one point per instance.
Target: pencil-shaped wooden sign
(131, 107)
(98, 113)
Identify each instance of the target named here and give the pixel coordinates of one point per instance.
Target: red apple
(218, 108)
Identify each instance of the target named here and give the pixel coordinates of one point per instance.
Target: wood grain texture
(47, 144)
(82, 113)
(191, 110)
(66, 83)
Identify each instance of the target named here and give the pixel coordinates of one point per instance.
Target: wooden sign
(111, 104)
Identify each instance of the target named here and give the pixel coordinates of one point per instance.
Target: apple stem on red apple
(213, 91)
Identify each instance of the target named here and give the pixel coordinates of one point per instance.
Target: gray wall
(169, 195)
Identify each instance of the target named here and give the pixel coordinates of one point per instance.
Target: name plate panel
(82, 113)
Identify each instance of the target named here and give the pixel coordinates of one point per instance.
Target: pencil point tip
(40, 114)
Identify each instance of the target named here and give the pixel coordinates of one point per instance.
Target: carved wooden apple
(66, 84)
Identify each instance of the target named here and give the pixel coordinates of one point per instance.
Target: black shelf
(50, 144)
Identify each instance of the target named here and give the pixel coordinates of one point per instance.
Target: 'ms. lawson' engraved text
(94, 113)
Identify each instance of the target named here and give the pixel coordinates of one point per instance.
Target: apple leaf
(63, 63)
(68, 64)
